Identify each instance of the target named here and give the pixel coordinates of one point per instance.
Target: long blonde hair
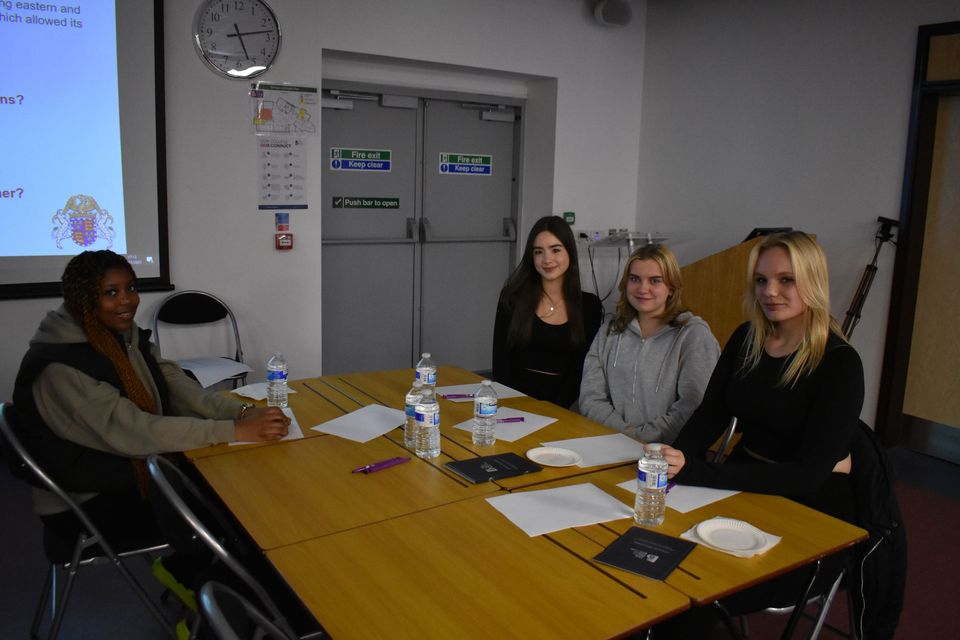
(670, 269)
(813, 286)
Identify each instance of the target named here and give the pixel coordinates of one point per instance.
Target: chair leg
(825, 603)
(49, 588)
(145, 597)
(64, 597)
(801, 603)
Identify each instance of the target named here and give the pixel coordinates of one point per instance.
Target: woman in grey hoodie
(646, 371)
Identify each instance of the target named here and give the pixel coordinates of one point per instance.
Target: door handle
(509, 234)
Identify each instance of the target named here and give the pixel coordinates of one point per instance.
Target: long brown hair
(521, 293)
(81, 287)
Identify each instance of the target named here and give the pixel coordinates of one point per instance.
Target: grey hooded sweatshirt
(647, 387)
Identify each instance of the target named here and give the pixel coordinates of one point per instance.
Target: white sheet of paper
(209, 371)
(503, 391)
(597, 450)
(256, 391)
(513, 431)
(683, 498)
(539, 512)
(294, 432)
(364, 424)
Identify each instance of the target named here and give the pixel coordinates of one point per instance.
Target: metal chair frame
(160, 316)
(160, 468)
(211, 596)
(58, 598)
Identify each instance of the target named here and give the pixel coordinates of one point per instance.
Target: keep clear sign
(467, 164)
(343, 159)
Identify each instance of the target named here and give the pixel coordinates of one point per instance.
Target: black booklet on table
(493, 467)
(646, 552)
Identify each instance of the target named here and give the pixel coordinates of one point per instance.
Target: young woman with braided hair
(93, 398)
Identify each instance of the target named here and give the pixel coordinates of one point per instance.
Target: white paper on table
(364, 424)
(503, 391)
(256, 391)
(539, 512)
(294, 432)
(209, 371)
(684, 498)
(513, 431)
(597, 450)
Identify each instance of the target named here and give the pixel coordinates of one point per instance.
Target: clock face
(236, 38)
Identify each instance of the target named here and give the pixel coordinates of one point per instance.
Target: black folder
(493, 467)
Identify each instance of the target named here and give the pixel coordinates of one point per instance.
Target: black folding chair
(90, 548)
(196, 308)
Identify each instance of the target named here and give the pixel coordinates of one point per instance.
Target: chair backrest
(233, 617)
(195, 307)
(725, 440)
(27, 466)
(177, 488)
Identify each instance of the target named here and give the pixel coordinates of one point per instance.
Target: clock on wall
(236, 38)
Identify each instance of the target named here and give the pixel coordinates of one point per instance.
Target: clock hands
(240, 38)
(246, 33)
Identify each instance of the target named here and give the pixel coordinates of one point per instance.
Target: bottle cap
(654, 446)
(424, 355)
(486, 383)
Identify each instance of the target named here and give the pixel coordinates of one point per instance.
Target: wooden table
(302, 489)
(389, 388)
(706, 575)
(462, 570)
(417, 551)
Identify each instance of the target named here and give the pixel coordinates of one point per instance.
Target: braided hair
(81, 288)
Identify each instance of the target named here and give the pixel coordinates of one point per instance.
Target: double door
(419, 228)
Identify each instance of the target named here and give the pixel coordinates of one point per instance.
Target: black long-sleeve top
(549, 350)
(791, 436)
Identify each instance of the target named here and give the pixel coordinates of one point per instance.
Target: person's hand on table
(675, 460)
(261, 424)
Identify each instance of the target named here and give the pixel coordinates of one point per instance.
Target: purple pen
(455, 396)
(670, 485)
(379, 466)
(514, 419)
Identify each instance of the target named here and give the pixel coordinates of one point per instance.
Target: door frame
(893, 426)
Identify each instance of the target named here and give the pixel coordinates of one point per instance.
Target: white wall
(760, 113)
(218, 240)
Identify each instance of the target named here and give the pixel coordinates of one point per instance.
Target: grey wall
(762, 113)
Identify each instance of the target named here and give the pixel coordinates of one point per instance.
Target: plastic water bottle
(427, 440)
(651, 487)
(485, 415)
(277, 381)
(427, 371)
(410, 427)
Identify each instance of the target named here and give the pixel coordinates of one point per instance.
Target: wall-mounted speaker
(613, 13)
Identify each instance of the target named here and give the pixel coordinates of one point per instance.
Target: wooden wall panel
(713, 288)
(944, 61)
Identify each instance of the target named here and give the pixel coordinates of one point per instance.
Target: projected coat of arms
(83, 221)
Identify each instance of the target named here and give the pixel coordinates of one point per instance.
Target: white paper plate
(554, 456)
(731, 535)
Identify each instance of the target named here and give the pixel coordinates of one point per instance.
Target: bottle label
(647, 480)
(485, 409)
(276, 376)
(411, 411)
(427, 377)
(428, 418)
